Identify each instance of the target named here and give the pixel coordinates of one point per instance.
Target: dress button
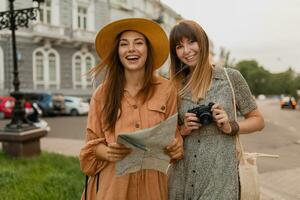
(198, 141)
(137, 126)
(192, 185)
(195, 156)
(194, 171)
(135, 106)
(163, 108)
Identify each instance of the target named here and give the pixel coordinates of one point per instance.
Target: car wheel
(74, 112)
(2, 115)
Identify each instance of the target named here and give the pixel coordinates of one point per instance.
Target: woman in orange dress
(130, 98)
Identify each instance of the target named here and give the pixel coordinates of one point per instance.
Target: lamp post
(19, 138)
(12, 19)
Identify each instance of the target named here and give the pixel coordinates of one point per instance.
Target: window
(45, 69)
(82, 18)
(52, 67)
(83, 13)
(78, 69)
(89, 65)
(39, 66)
(82, 63)
(45, 12)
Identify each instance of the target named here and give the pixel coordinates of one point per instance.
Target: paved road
(280, 136)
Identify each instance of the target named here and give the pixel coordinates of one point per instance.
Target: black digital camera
(204, 113)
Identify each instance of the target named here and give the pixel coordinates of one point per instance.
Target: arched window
(89, 64)
(77, 69)
(52, 67)
(82, 63)
(39, 60)
(1, 69)
(46, 69)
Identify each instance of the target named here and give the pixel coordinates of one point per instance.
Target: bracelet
(234, 128)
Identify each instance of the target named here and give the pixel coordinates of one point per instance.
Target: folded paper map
(147, 147)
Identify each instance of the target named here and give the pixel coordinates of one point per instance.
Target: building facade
(57, 49)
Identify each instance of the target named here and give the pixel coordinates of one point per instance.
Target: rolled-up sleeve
(89, 164)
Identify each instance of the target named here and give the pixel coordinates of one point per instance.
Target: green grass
(48, 176)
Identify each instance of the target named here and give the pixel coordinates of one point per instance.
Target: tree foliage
(261, 81)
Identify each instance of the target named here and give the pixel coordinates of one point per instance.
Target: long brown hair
(114, 82)
(200, 79)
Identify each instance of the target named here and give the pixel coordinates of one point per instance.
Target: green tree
(262, 81)
(256, 76)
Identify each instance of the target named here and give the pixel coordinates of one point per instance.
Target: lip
(190, 58)
(128, 57)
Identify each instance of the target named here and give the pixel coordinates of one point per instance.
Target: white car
(75, 106)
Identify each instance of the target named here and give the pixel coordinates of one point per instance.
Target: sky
(265, 30)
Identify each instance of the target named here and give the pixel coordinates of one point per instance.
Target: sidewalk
(70, 147)
(277, 185)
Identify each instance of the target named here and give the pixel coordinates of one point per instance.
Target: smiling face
(133, 51)
(188, 51)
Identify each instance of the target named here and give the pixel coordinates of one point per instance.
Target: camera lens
(205, 118)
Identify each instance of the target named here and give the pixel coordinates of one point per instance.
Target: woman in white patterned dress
(209, 168)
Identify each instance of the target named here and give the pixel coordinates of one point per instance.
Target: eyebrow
(124, 39)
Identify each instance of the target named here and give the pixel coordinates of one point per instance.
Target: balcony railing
(49, 31)
(84, 36)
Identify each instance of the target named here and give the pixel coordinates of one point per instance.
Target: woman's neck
(134, 81)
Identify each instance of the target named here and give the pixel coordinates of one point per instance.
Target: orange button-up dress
(141, 185)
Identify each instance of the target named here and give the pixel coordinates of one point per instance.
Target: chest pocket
(157, 111)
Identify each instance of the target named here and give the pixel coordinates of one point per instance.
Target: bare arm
(253, 121)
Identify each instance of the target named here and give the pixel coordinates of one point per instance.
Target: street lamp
(12, 19)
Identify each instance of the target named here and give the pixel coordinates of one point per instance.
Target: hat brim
(157, 37)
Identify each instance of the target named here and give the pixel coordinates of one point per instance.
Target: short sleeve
(244, 98)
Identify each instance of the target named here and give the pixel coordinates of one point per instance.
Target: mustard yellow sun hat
(157, 37)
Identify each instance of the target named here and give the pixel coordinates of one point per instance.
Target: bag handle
(238, 141)
(239, 144)
(86, 185)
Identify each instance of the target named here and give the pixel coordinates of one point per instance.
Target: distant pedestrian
(131, 98)
(209, 168)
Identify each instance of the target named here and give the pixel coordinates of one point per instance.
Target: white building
(57, 49)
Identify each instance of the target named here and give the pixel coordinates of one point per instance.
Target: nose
(186, 49)
(131, 47)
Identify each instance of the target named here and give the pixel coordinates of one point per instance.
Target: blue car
(49, 103)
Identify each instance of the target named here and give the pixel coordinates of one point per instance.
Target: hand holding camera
(191, 122)
(204, 115)
(221, 118)
(197, 117)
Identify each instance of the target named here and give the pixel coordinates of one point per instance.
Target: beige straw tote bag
(248, 173)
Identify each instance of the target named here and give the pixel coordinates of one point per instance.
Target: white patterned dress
(209, 168)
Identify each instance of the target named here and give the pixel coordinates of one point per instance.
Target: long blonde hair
(200, 78)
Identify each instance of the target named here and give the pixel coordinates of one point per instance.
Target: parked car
(288, 102)
(7, 104)
(49, 103)
(76, 106)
